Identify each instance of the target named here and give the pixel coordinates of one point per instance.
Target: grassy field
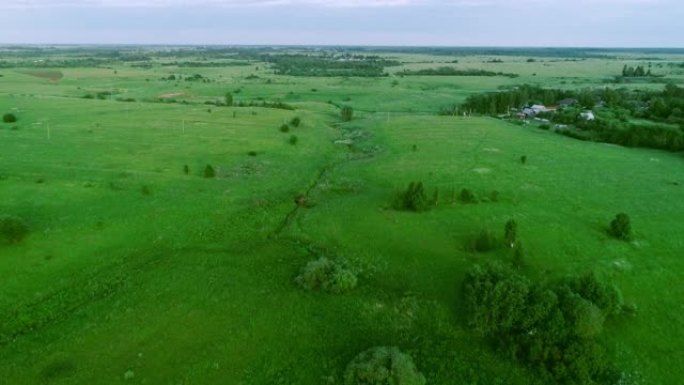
(136, 272)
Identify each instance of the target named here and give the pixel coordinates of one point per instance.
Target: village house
(534, 110)
(587, 115)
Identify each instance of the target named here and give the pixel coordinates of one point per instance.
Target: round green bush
(342, 280)
(413, 199)
(621, 228)
(9, 118)
(383, 366)
(324, 274)
(12, 228)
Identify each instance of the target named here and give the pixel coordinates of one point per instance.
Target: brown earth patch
(172, 95)
(52, 75)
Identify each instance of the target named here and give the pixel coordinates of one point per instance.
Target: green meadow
(139, 269)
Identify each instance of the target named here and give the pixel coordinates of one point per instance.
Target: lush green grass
(563, 199)
(135, 272)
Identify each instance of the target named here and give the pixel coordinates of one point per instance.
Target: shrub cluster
(484, 242)
(551, 327)
(325, 274)
(620, 227)
(347, 113)
(487, 241)
(13, 228)
(412, 199)
(293, 139)
(383, 366)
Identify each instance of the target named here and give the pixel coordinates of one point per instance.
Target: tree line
(450, 71)
(329, 65)
(615, 120)
(635, 72)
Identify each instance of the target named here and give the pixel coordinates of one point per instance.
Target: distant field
(139, 269)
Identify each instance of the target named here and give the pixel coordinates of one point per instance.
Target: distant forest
(329, 65)
(450, 71)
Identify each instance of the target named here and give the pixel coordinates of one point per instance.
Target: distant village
(533, 112)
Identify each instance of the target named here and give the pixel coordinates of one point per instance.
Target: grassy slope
(186, 285)
(563, 199)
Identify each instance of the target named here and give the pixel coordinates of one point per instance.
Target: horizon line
(265, 45)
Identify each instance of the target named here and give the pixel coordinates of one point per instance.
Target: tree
(639, 71)
(621, 227)
(587, 99)
(347, 113)
(607, 297)
(229, 99)
(495, 298)
(628, 72)
(435, 197)
(468, 196)
(511, 232)
(209, 171)
(9, 118)
(518, 255)
(296, 121)
(485, 241)
(659, 108)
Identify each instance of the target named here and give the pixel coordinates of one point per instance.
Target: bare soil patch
(52, 75)
(170, 95)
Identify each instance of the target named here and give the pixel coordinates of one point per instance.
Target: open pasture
(139, 268)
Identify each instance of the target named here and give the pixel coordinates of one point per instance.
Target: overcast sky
(587, 23)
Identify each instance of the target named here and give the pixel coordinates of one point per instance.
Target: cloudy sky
(587, 23)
